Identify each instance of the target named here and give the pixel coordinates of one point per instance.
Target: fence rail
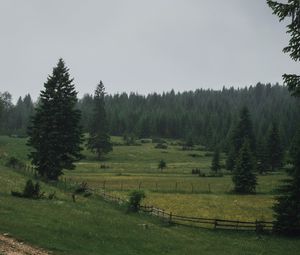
(258, 226)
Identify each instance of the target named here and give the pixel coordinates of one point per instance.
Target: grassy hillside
(91, 226)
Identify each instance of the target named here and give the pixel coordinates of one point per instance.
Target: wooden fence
(169, 217)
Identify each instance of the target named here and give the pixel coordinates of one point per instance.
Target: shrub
(194, 155)
(162, 164)
(82, 188)
(146, 140)
(14, 163)
(161, 146)
(135, 199)
(31, 190)
(196, 171)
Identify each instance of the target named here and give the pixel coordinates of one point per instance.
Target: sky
(141, 46)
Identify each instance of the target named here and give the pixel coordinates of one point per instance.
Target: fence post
(170, 218)
(65, 183)
(259, 228)
(215, 224)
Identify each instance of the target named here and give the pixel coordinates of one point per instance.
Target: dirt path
(10, 246)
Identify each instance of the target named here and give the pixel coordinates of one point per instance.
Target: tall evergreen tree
(275, 152)
(215, 164)
(262, 159)
(54, 133)
(243, 177)
(287, 208)
(99, 140)
(243, 132)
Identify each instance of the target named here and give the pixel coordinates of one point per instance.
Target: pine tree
(215, 164)
(99, 140)
(287, 207)
(291, 9)
(275, 152)
(244, 178)
(262, 162)
(54, 133)
(243, 132)
(230, 160)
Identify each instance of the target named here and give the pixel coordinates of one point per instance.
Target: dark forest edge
(205, 117)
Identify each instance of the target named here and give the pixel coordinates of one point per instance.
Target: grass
(91, 226)
(175, 189)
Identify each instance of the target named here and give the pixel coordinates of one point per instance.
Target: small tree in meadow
(135, 199)
(161, 165)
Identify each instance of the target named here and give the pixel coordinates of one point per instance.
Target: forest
(206, 117)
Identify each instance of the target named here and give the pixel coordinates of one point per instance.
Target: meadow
(174, 189)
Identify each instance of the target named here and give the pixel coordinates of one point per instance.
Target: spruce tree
(243, 132)
(275, 152)
(262, 160)
(215, 164)
(243, 177)
(54, 134)
(287, 207)
(99, 140)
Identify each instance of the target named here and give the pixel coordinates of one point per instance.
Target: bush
(135, 199)
(14, 163)
(161, 146)
(196, 171)
(194, 155)
(83, 190)
(162, 164)
(31, 190)
(146, 140)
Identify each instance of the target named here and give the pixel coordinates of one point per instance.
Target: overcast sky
(141, 45)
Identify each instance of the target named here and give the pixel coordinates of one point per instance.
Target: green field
(174, 189)
(91, 226)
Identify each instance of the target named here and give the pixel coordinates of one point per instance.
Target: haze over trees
(207, 116)
(54, 134)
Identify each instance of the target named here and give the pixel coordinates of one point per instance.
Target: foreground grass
(91, 226)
